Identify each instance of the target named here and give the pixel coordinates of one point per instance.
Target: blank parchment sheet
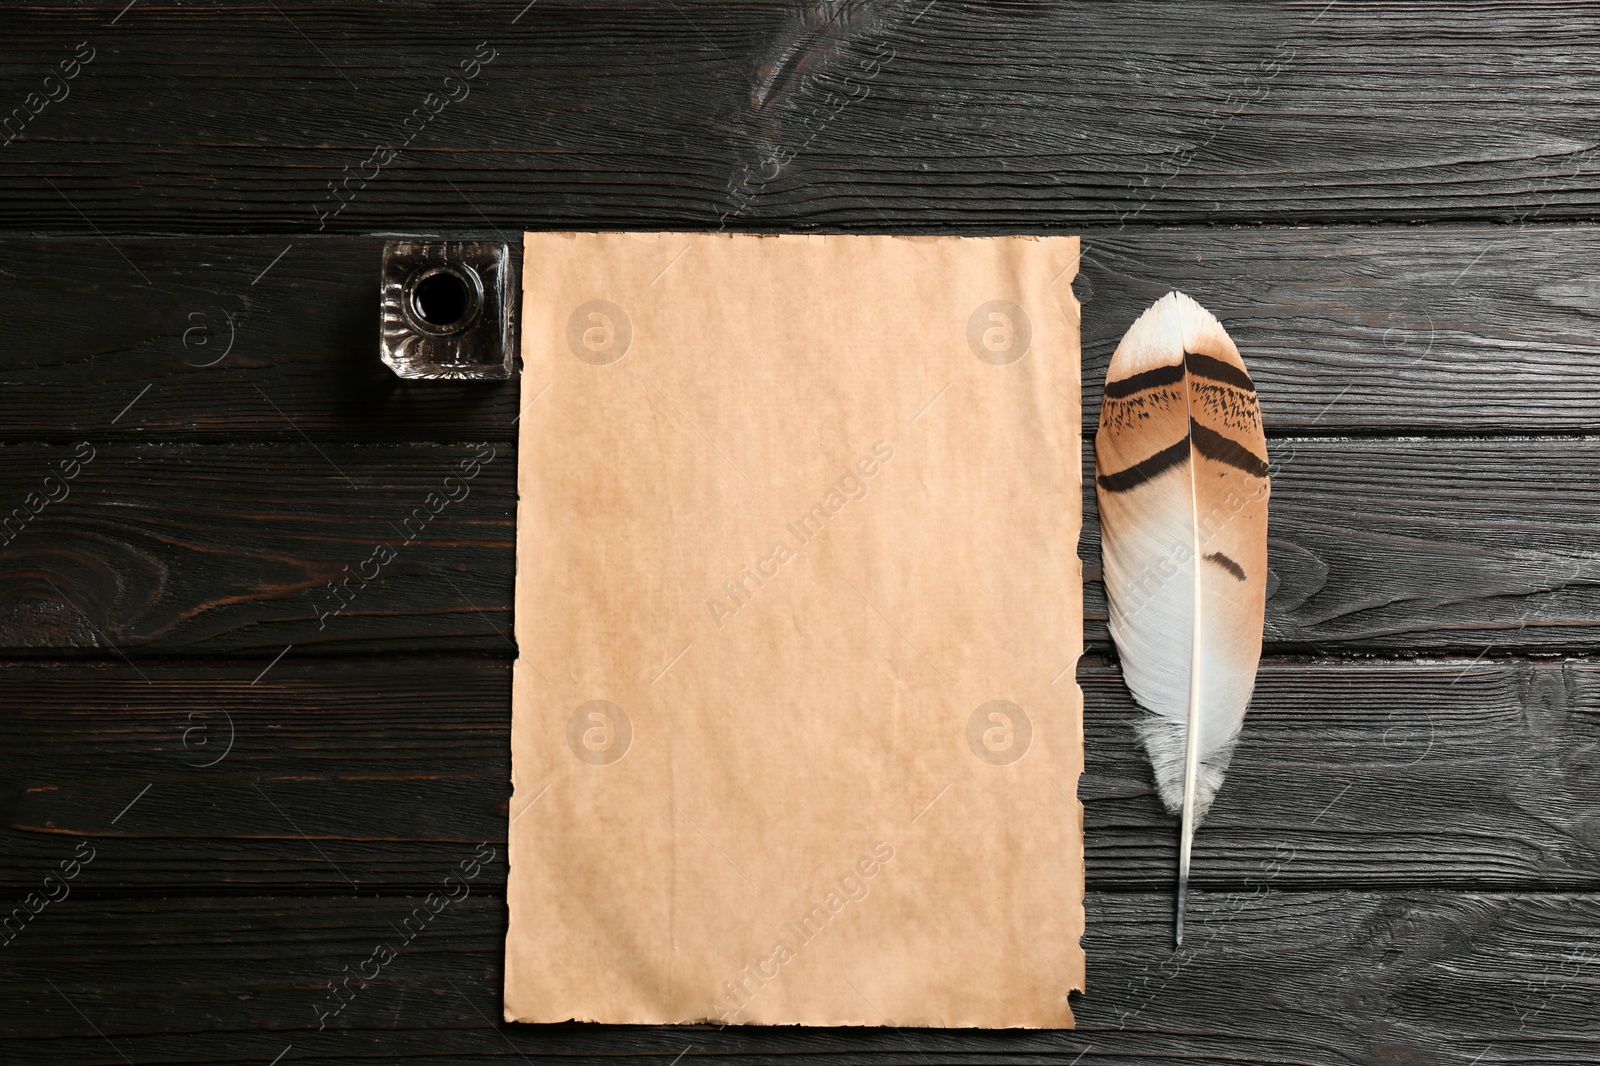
(796, 734)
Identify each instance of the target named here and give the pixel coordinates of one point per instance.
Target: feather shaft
(1191, 755)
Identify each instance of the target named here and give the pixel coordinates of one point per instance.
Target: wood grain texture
(1274, 977)
(1402, 868)
(1453, 331)
(1467, 330)
(205, 548)
(240, 116)
(372, 774)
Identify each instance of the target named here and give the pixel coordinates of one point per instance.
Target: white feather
(1183, 489)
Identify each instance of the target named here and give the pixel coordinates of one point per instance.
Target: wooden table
(1386, 205)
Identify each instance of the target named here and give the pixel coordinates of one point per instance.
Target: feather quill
(1181, 473)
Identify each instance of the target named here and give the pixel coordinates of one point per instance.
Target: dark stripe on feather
(1226, 450)
(1149, 379)
(1139, 473)
(1199, 365)
(1208, 442)
(1205, 366)
(1226, 563)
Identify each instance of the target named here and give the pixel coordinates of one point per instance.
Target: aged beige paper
(796, 735)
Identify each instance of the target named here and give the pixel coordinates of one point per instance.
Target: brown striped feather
(1182, 475)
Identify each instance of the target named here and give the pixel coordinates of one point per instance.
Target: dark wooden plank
(390, 764)
(1467, 330)
(240, 116)
(1421, 544)
(1378, 544)
(1461, 772)
(250, 546)
(1385, 773)
(1265, 977)
(216, 346)
(1460, 330)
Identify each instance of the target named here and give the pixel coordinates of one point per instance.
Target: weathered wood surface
(1404, 867)
(166, 547)
(1456, 331)
(237, 117)
(1467, 330)
(1435, 978)
(1378, 544)
(1382, 773)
